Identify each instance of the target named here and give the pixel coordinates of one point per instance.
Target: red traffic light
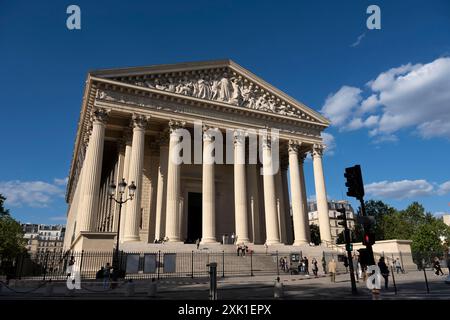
(368, 238)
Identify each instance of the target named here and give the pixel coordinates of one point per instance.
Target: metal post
(223, 263)
(426, 280)
(393, 280)
(251, 264)
(45, 264)
(192, 264)
(212, 280)
(278, 265)
(368, 246)
(159, 261)
(81, 262)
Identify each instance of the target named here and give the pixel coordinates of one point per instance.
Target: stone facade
(131, 124)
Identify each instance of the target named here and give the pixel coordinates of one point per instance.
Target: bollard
(153, 287)
(278, 291)
(49, 288)
(212, 280)
(129, 292)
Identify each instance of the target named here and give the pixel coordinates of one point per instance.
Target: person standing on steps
(332, 270)
(384, 270)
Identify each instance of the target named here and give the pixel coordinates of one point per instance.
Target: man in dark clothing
(437, 266)
(384, 270)
(306, 265)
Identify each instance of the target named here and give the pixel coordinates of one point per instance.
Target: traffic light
(354, 182)
(368, 238)
(342, 217)
(349, 247)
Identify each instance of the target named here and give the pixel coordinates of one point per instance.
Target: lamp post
(120, 201)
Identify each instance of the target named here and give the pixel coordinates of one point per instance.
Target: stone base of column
(131, 238)
(174, 242)
(274, 242)
(300, 243)
(243, 241)
(209, 241)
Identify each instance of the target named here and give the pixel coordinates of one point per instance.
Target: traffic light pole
(369, 245)
(350, 258)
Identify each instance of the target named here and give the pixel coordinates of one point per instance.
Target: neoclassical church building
(132, 123)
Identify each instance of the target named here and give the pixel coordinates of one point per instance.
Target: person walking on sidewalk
(398, 266)
(315, 268)
(437, 266)
(384, 270)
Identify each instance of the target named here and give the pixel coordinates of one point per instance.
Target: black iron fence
(143, 265)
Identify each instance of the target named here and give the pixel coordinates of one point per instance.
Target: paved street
(409, 286)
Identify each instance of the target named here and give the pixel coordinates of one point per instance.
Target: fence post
(251, 264)
(159, 261)
(426, 280)
(393, 280)
(45, 264)
(278, 265)
(223, 263)
(192, 264)
(81, 263)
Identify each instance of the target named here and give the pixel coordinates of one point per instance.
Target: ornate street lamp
(120, 201)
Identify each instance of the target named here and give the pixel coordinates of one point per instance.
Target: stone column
(321, 194)
(253, 201)
(92, 172)
(127, 137)
(240, 188)
(173, 185)
(208, 189)
(270, 203)
(302, 157)
(161, 194)
(284, 164)
(298, 209)
(135, 175)
(281, 207)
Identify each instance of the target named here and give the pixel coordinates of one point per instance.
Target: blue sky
(388, 95)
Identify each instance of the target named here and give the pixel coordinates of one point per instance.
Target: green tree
(379, 210)
(3, 211)
(12, 242)
(315, 234)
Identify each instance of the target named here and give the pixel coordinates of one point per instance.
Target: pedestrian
(69, 270)
(324, 265)
(99, 274)
(306, 265)
(384, 270)
(398, 265)
(332, 270)
(437, 266)
(197, 242)
(106, 276)
(315, 267)
(238, 250)
(232, 238)
(355, 267)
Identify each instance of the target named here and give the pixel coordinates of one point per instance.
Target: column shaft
(240, 189)
(321, 195)
(92, 172)
(208, 192)
(270, 204)
(161, 193)
(135, 174)
(298, 209)
(173, 187)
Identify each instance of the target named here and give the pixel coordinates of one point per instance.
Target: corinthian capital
(100, 115)
(209, 133)
(266, 141)
(174, 125)
(239, 137)
(140, 121)
(317, 150)
(294, 146)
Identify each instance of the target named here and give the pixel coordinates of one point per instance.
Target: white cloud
(61, 182)
(339, 106)
(399, 189)
(58, 218)
(410, 96)
(330, 143)
(404, 189)
(444, 188)
(358, 40)
(30, 193)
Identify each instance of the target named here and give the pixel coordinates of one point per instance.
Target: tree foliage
(11, 235)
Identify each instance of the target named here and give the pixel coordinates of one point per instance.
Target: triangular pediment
(219, 81)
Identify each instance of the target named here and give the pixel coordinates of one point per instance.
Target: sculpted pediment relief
(222, 85)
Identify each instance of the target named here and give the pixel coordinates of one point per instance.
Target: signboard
(132, 263)
(170, 262)
(149, 263)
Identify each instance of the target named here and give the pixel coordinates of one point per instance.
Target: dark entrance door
(194, 224)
